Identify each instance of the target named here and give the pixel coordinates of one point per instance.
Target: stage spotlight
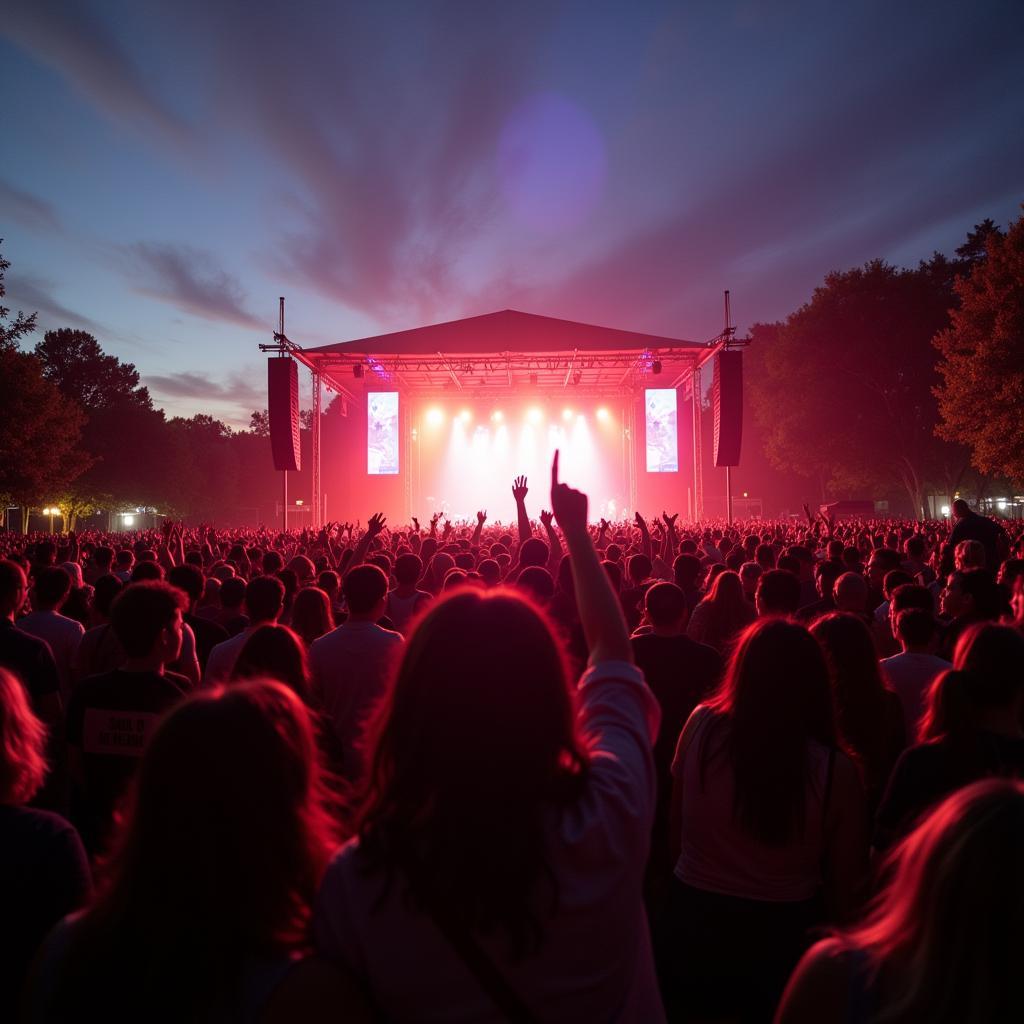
(534, 415)
(567, 414)
(656, 366)
(497, 416)
(602, 414)
(465, 415)
(435, 416)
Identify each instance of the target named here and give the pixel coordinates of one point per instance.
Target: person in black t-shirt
(111, 716)
(28, 657)
(971, 526)
(189, 579)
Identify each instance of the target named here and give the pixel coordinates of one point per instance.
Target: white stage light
(567, 414)
(435, 416)
(534, 415)
(602, 414)
(497, 416)
(465, 415)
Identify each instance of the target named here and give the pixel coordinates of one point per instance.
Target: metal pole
(728, 493)
(698, 447)
(317, 508)
(284, 473)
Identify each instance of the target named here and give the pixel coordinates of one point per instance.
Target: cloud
(238, 389)
(190, 279)
(27, 209)
(72, 39)
(29, 293)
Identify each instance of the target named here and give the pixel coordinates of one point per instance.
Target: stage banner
(662, 430)
(382, 433)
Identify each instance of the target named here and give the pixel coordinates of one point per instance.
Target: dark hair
(789, 563)
(147, 572)
(947, 930)
(638, 568)
(912, 595)
(105, 589)
(979, 585)
(778, 592)
(52, 585)
(264, 598)
(993, 656)
(311, 614)
(188, 578)
(858, 691)
(141, 612)
(408, 569)
(775, 699)
(686, 570)
(232, 592)
(12, 578)
(537, 581)
(457, 802)
(665, 604)
(364, 587)
(275, 652)
(234, 769)
(534, 552)
(614, 574)
(916, 626)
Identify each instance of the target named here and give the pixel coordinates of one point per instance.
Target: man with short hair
(778, 593)
(28, 657)
(971, 526)
(111, 716)
(912, 672)
(351, 664)
(62, 635)
(407, 600)
(264, 602)
(190, 580)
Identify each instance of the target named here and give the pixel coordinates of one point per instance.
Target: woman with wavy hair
(503, 827)
(44, 872)
(311, 614)
(723, 614)
(205, 910)
(767, 826)
(944, 939)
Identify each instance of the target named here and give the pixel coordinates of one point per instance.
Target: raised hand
(416, 523)
(376, 524)
(641, 522)
(481, 517)
(447, 528)
(605, 526)
(569, 506)
(670, 521)
(519, 488)
(435, 519)
(545, 518)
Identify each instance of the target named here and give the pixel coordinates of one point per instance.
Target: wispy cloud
(35, 294)
(237, 389)
(190, 279)
(73, 40)
(26, 209)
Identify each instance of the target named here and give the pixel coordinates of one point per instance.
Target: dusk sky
(170, 169)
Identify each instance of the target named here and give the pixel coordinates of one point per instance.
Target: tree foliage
(981, 393)
(12, 331)
(75, 362)
(842, 389)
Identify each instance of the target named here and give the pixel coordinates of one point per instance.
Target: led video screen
(662, 433)
(382, 433)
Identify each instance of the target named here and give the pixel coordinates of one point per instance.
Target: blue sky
(170, 169)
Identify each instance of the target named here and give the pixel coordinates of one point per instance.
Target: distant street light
(51, 512)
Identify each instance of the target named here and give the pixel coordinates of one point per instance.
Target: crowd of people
(540, 771)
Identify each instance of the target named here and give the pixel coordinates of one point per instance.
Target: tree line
(889, 381)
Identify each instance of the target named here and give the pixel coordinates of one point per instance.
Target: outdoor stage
(442, 418)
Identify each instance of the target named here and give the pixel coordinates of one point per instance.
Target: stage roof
(508, 350)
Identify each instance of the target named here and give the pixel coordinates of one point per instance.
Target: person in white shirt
(912, 672)
(51, 589)
(264, 601)
(351, 664)
(503, 828)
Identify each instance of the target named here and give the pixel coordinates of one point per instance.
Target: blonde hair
(22, 743)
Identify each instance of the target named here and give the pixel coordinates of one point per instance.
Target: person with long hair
(768, 829)
(869, 715)
(503, 825)
(944, 939)
(205, 910)
(971, 729)
(44, 872)
(275, 652)
(723, 614)
(311, 615)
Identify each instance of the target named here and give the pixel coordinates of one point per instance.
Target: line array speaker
(283, 406)
(727, 395)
